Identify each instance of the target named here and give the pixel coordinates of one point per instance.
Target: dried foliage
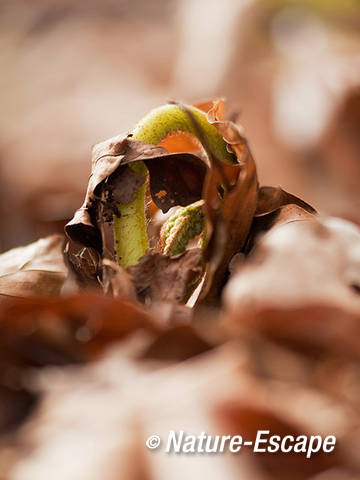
(89, 377)
(37, 269)
(229, 218)
(299, 261)
(274, 370)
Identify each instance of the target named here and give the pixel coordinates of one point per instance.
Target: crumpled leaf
(138, 400)
(175, 179)
(230, 191)
(158, 277)
(85, 267)
(229, 215)
(36, 269)
(109, 166)
(117, 281)
(277, 370)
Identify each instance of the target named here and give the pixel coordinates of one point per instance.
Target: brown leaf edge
(230, 193)
(272, 198)
(276, 206)
(234, 222)
(284, 214)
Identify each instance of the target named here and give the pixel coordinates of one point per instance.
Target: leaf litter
(272, 341)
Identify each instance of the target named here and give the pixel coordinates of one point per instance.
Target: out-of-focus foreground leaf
(40, 331)
(99, 415)
(304, 260)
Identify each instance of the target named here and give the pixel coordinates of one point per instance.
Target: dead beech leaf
(219, 390)
(158, 277)
(84, 410)
(300, 263)
(36, 269)
(117, 280)
(315, 329)
(272, 198)
(230, 193)
(263, 223)
(84, 267)
(217, 393)
(42, 331)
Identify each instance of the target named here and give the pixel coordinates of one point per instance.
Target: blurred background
(75, 73)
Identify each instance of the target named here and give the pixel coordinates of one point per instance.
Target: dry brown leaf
(158, 277)
(229, 218)
(41, 331)
(117, 281)
(272, 198)
(38, 332)
(85, 267)
(103, 414)
(236, 388)
(299, 263)
(230, 192)
(285, 214)
(36, 269)
(314, 329)
(84, 410)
